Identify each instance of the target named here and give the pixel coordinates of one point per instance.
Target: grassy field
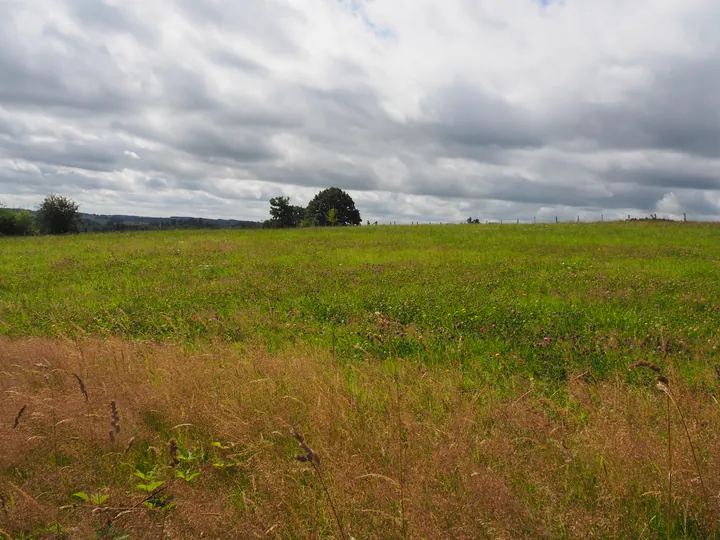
(456, 381)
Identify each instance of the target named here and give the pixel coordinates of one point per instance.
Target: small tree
(283, 214)
(318, 211)
(58, 215)
(332, 217)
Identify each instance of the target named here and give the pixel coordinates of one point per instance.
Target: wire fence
(536, 220)
(578, 219)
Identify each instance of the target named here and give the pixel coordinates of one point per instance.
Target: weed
(97, 498)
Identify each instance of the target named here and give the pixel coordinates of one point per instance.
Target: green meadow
(476, 375)
(553, 298)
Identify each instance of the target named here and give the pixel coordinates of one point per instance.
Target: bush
(16, 223)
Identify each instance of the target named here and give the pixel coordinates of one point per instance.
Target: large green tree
(58, 215)
(332, 206)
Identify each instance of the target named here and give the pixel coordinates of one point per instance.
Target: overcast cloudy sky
(421, 109)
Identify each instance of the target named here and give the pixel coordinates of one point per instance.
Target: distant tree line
(100, 223)
(61, 215)
(330, 207)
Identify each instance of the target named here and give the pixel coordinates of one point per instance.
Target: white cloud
(422, 110)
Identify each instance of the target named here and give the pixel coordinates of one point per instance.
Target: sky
(422, 110)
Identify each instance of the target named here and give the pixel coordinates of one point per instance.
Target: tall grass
(212, 453)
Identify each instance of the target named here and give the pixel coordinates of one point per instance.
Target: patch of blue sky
(357, 8)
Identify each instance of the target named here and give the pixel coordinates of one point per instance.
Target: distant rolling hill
(122, 222)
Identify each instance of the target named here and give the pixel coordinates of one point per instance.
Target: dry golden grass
(406, 450)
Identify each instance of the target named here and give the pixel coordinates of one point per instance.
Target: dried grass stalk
(312, 457)
(664, 386)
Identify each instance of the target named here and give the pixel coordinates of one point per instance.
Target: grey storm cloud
(476, 119)
(680, 112)
(499, 110)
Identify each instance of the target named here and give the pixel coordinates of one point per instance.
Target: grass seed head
(646, 365)
(82, 387)
(130, 444)
(19, 415)
(114, 421)
(310, 456)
